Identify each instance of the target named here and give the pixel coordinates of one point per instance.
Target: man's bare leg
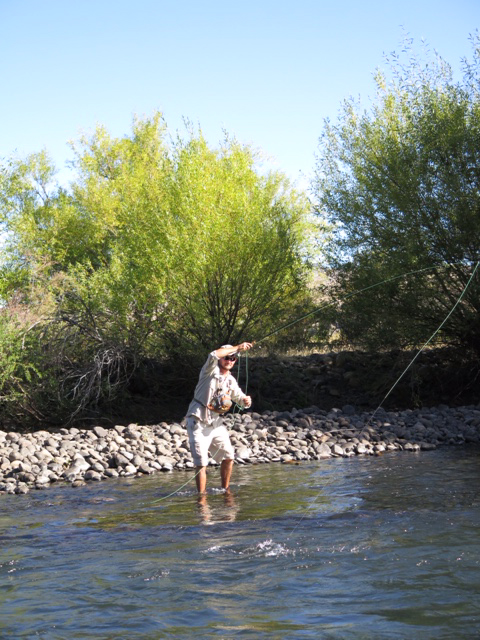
(201, 479)
(226, 473)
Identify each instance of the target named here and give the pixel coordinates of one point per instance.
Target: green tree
(89, 254)
(400, 183)
(159, 247)
(243, 262)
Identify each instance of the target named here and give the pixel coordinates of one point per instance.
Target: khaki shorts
(212, 438)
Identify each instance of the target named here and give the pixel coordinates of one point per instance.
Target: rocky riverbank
(75, 456)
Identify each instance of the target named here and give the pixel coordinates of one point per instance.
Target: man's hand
(244, 346)
(247, 402)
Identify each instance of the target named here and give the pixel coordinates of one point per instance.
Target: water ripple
(374, 548)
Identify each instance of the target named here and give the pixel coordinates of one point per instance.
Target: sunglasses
(231, 358)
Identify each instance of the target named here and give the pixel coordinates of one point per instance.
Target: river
(367, 547)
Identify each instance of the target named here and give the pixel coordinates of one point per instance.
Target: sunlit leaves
(400, 182)
(159, 247)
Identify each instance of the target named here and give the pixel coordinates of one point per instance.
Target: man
(214, 393)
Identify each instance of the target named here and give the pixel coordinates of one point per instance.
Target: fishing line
(428, 341)
(406, 369)
(354, 293)
(330, 304)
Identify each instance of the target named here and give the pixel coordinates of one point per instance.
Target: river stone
(337, 450)
(163, 450)
(132, 436)
(26, 477)
(348, 410)
(100, 432)
(93, 475)
(129, 470)
(22, 488)
(72, 473)
(300, 455)
(244, 453)
(166, 462)
(79, 464)
(176, 429)
(137, 460)
(322, 450)
(119, 460)
(427, 446)
(149, 447)
(303, 423)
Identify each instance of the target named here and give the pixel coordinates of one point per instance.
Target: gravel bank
(36, 460)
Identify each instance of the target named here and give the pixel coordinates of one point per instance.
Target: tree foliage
(401, 184)
(159, 247)
(242, 260)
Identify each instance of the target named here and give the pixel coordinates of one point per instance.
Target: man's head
(229, 361)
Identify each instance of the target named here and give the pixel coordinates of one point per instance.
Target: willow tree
(82, 260)
(401, 183)
(157, 247)
(242, 250)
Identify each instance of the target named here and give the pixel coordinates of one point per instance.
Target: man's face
(228, 362)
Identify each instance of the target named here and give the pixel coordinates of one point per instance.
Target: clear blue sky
(269, 72)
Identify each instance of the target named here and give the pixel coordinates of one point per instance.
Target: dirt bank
(437, 376)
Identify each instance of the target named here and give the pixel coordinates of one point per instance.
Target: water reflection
(213, 512)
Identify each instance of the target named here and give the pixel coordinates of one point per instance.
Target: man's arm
(222, 352)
